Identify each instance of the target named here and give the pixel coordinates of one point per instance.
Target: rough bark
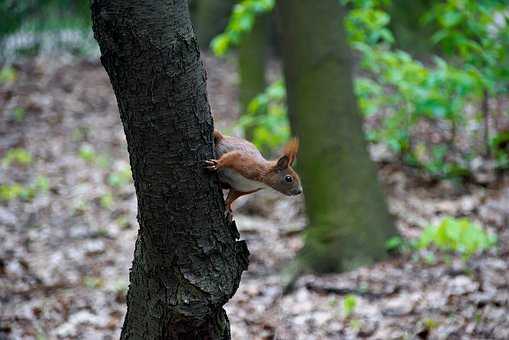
(187, 262)
(348, 218)
(252, 62)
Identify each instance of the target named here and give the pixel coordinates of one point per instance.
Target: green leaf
(17, 156)
(457, 235)
(7, 74)
(349, 305)
(87, 153)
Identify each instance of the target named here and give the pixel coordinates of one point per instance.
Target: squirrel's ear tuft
(283, 162)
(290, 150)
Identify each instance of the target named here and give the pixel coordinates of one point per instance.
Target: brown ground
(65, 254)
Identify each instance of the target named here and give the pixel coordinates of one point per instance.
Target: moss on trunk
(348, 217)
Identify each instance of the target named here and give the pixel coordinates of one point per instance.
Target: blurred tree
(348, 219)
(252, 61)
(411, 34)
(211, 17)
(40, 14)
(187, 263)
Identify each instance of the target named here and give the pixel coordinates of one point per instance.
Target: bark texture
(187, 262)
(348, 218)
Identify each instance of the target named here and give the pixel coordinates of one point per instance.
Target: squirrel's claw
(229, 215)
(212, 164)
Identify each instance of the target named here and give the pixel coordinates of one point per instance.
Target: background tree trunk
(349, 220)
(252, 63)
(410, 33)
(187, 263)
(211, 18)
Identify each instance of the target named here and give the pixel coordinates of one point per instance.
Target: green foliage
(500, 146)
(92, 282)
(240, 23)
(457, 235)
(17, 114)
(430, 324)
(7, 74)
(106, 200)
(12, 14)
(401, 93)
(349, 305)
(366, 21)
(266, 115)
(17, 156)
(43, 14)
(87, 153)
(10, 192)
(409, 92)
(36, 25)
(396, 244)
(476, 32)
(120, 177)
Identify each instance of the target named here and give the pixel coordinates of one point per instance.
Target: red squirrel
(243, 170)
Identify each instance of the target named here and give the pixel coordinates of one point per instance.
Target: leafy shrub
(405, 93)
(241, 22)
(349, 305)
(266, 114)
(400, 94)
(477, 32)
(9, 192)
(457, 235)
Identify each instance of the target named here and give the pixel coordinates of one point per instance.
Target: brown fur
(244, 158)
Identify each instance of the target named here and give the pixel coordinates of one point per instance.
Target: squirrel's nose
(297, 191)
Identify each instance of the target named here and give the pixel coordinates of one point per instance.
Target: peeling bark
(187, 262)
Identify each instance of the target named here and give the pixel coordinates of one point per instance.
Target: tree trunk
(348, 218)
(187, 262)
(252, 62)
(410, 33)
(211, 19)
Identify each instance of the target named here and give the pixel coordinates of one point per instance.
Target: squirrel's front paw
(228, 214)
(212, 164)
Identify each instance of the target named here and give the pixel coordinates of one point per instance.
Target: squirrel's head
(282, 177)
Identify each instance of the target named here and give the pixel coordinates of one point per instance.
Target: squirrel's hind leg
(232, 196)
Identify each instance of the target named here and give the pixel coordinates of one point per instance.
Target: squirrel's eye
(288, 178)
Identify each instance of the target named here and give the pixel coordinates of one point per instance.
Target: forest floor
(66, 246)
